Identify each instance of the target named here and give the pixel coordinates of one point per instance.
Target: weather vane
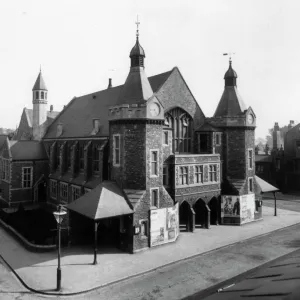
(137, 26)
(229, 54)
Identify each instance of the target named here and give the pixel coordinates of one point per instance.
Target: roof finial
(137, 27)
(229, 54)
(40, 68)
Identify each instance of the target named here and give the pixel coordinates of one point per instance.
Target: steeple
(231, 103)
(137, 53)
(40, 83)
(39, 101)
(137, 88)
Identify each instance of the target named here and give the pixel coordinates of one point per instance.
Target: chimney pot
(109, 83)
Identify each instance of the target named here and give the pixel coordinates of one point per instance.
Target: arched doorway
(184, 216)
(214, 211)
(201, 211)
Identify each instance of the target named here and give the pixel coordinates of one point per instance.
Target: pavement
(38, 270)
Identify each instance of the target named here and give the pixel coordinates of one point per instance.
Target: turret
(39, 101)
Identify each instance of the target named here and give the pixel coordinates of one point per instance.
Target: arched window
(181, 124)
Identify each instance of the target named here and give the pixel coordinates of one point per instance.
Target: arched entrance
(186, 217)
(214, 211)
(202, 214)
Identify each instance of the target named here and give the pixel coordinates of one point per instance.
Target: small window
(37, 95)
(154, 197)
(154, 162)
(260, 168)
(27, 177)
(75, 192)
(250, 187)
(68, 153)
(144, 228)
(199, 174)
(218, 139)
(53, 189)
(250, 158)
(183, 175)
(213, 173)
(64, 191)
(165, 176)
(58, 156)
(166, 138)
(42, 95)
(116, 152)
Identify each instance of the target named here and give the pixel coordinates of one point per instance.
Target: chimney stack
(109, 83)
(291, 125)
(51, 107)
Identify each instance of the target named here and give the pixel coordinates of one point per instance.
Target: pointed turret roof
(137, 88)
(40, 83)
(231, 103)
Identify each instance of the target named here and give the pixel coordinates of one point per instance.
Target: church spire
(137, 53)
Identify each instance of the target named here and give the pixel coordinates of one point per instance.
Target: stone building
(142, 162)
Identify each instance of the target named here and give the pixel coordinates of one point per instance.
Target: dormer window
(96, 126)
(59, 130)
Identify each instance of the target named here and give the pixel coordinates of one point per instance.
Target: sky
(80, 44)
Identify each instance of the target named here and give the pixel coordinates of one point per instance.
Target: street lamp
(59, 216)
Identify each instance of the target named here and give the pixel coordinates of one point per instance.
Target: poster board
(239, 207)
(247, 208)
(164, 225)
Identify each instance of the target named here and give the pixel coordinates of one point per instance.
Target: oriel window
(183, 175)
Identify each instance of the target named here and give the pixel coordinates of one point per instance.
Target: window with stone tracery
(181, 124)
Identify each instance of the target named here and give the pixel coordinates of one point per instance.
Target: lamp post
(59, 216)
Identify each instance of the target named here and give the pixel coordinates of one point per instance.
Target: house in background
(24, 172)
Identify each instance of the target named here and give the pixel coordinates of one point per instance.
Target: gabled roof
(264, 186)
(77, 117)
(206, 127)
(40, 83)
(105, 201)
(29, 114)
(231, 103)
(27, 150)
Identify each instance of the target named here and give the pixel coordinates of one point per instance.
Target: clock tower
(238, 159)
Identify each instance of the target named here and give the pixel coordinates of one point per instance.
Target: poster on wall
(247, 208)
(164, 225)
(230, 206)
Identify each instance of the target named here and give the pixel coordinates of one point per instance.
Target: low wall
(29, 246)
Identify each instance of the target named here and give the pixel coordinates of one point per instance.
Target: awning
(104, 201)
(265, 186)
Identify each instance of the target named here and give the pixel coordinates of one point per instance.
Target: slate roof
(27, 150)
(231, 103)
(40, 83)
(105, 201)
(77, 117)
(29, 114)
(134, 196)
